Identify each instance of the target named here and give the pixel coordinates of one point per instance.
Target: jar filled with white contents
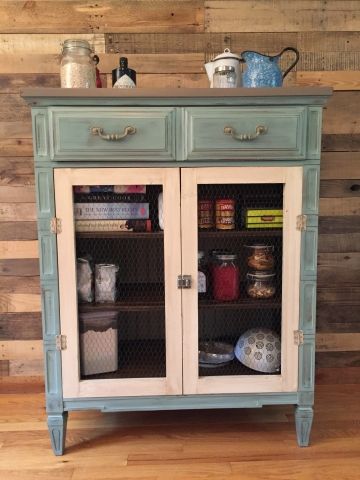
(77, 68)
(224, 77)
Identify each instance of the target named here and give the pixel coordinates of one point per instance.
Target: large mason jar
(77, 68)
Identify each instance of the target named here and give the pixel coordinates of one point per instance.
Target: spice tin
(225, 214)
(206, 214)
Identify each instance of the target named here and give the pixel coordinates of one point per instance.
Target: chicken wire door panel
(242, 250)
(120, 313)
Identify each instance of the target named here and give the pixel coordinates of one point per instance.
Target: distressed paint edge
(311, 187)
(314, 132)
(40, 133)
(182, 402)
(308, 306)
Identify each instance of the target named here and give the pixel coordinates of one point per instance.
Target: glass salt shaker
(77, 68)
(224, 77)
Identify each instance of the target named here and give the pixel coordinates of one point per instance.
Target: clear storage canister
(77, 68)
(224, 77)
(261, 257)
(260, 284)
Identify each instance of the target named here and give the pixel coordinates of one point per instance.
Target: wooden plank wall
(167, 43)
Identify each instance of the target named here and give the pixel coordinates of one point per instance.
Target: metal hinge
(301, 222)
(184, 281)
(60, 342)
(55, 225)
(298, 337)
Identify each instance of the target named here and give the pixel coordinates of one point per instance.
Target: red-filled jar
(226, 278)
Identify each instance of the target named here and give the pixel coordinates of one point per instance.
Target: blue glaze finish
(263, 70)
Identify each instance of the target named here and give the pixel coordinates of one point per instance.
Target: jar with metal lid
(77, 68)
(260, 284)
(224, 77)
(225, 278)
(203, 284)
(261, 257)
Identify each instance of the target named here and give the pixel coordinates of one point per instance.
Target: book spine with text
(113, 225)
(111, 211)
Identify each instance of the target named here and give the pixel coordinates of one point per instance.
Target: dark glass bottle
(123, 77)
(98, 78)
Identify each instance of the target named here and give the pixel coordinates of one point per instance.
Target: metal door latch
(184, 281)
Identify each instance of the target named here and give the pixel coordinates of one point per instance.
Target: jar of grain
(77, 68)
(260, 284)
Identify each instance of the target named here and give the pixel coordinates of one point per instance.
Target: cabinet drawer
(73, 136)
(223, 133)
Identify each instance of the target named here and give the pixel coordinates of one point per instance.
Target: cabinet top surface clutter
(177, 96)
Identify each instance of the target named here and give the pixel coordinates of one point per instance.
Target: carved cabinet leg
(303, 419)
(57, 431)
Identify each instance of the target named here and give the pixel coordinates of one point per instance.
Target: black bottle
(123, 77)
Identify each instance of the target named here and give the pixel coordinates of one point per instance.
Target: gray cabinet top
(176, 96)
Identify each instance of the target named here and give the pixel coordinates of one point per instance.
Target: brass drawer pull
(243, 137)
(113, 136)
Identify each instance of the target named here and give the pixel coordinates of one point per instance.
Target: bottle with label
(123, 77)
(202, 276)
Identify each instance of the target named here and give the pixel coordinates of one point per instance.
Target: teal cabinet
(130, 186)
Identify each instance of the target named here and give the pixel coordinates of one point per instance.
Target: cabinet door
(258, 238)
(119, 255)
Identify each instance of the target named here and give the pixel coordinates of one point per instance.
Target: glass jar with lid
(224, 77)
(261, 257)
(77, 68)
(226, 277)
(260, 284)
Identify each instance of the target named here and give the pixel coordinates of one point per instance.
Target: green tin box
(263, 218)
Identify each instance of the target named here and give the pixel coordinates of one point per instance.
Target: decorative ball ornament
(260, 350)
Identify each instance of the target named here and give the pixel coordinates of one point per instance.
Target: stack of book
(111, 208)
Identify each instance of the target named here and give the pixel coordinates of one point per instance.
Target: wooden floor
(208, 445)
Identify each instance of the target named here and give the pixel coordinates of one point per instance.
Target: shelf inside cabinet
(274, 233)
(138, 297)
(157, 303)
(245, 303)
(122, 235)
(232, 368)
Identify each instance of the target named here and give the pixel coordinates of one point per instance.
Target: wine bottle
(123, 77)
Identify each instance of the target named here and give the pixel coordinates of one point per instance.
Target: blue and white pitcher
(263, 70)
